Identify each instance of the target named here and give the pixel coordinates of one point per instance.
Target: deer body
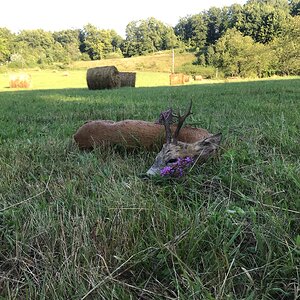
(179, 146)
(132, 133)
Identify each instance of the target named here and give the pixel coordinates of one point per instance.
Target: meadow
(85, 225)
(152, 70)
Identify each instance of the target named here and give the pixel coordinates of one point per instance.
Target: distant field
(84, 225)
(158, 62)
(54, 79)
(152, 70)
(48, 79)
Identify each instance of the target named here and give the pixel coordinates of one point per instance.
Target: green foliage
(6, 38)
(287, 47)
(260, 22)
(96, 42)
(237, 55)
(217, 23)
(117, 54)
(192, 69)
(146, 36)
(36, 38)
(70, 41)
(294, 7)
(38, 47)
(192, 31)
(264, 20)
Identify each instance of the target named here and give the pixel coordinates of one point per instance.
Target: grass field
(49, 79)
(152, 70)
(77, 225)
(156, 62)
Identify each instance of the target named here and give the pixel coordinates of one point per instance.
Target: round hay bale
(103, 78)
(176, 78)
(128, 79)
(20, 81)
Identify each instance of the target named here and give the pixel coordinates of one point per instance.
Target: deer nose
(152, 171)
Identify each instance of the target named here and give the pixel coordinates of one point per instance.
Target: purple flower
(178, 168)
(165, 171)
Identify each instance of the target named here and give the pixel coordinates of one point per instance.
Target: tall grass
(77, 225)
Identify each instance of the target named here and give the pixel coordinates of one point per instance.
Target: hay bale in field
(19, 81)
(198, 77)
(103, 78)
(187, 78)
(128, 79)
(176, 78)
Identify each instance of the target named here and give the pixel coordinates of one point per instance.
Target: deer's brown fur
(131, 134)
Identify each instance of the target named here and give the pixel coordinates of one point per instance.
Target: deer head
(176, 155)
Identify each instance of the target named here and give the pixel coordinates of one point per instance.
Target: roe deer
(131, 134)
(175, 154)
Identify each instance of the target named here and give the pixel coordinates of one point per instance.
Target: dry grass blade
(30, 198)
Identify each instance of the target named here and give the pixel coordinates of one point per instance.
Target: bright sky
(54, 15)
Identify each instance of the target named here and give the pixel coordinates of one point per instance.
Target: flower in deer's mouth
(178, 168)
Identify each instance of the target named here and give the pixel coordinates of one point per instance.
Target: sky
(55, 15)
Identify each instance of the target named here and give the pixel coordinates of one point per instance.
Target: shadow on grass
(216, 107)
(259, 82)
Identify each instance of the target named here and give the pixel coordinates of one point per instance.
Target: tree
(6, 38)
(92, 42)
(116, 40)
(69, 40)
(192, 31)
(38, 47)
(199, 31)
(214, 20)
(145, 36)
(36, 38)
(294, 7)
(97, 43)
(234, 16)
(287, 47)
(239, 55)
(263, 20)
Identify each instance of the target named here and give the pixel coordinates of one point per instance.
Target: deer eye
(206, 143)
(172, 160)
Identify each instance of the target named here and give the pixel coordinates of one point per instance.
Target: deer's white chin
(152, 172)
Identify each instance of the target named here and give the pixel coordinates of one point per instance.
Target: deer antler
(166, 118)
(181, 120)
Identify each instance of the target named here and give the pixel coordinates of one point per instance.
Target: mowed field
(152, 70)
(85, 225)
(53, 79)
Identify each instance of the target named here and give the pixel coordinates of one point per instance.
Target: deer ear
(208, 146)
(214, 139)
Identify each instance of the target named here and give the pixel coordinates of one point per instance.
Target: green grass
(156, 62)
(77, 225)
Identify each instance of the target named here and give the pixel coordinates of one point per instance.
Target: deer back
(132, 134)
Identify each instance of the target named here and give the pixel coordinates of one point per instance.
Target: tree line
(259, 38)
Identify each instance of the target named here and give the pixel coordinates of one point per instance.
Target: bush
(3, 68)
(117, 54)
(85, 57)
(191, 69)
